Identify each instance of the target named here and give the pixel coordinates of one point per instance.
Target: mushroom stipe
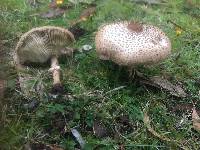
(41, 44)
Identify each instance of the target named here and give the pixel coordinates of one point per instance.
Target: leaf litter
(35, 145)
(99, 129)
(195, 119)
(85, 14)
(150, 2)
(55, 10)
(163, 84)
(147, 123)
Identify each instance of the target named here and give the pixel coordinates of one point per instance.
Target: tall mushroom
(41, 44)
(130, 43)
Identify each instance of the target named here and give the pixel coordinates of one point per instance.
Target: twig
(146, 121)
(115, 89)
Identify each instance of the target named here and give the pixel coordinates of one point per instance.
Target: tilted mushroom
(129, 43)
(41, 44)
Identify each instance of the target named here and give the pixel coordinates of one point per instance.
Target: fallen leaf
(85, 15)
(147, 123)
(150, 2)
(162, 83)
(81, 1)
(99, 129)
(195, 120)
(34, 145)
(124, 119)
(175, 90)
(123, 125)
(183, 108)
(52, 13)
(30, 82)
(57, 9)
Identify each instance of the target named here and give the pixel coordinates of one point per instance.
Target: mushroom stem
(57, 87)
(132, 72)
(19, 66)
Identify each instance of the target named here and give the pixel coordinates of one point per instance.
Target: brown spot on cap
(135, 26)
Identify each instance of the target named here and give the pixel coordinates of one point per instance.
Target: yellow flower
(59, 2)
(178, 30)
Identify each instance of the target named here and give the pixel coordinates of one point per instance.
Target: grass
(88, 81)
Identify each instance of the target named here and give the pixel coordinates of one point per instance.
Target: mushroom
(41, 44)
(130, 43)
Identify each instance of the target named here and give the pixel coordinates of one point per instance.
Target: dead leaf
(183, 108)
(123, 125)
(195, 120)
(147, 123)
(150, 2)
(85, 15)
(34, 145)
(162, 83)
(99, 129)
(57, 9)
(81, 1)
(175, 90)
(52, 13)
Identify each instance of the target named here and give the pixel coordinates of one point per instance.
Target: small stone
(86, 47)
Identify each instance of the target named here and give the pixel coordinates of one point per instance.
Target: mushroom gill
(41, 44)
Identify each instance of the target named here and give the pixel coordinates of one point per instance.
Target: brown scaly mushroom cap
(129, 43)
(41, 44)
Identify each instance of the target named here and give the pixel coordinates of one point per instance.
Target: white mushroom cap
(40, 44)
(129, 43)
